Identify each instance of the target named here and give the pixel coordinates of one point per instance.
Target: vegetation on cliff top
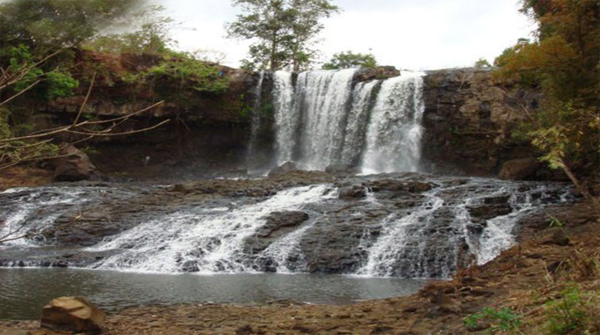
(349, 59)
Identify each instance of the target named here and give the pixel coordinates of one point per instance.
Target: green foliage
(349, 59)
(44, 25)
(500, 321)
(568, 314)
(282, 31)
(60, 84)
(555, 222)
(20, 151)
(53, 84)
(151, 35)
(184, 69)
(482, 63)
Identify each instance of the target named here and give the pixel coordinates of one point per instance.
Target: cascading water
(286, 121)
(328, 119)
(394, 134)
(255, 124)
(207, 241)
(30, 213)
(405, 225)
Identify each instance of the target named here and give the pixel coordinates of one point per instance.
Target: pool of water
(23, 292)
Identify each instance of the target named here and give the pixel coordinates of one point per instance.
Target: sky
(407, 34)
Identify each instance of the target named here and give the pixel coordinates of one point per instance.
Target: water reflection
(23, 292)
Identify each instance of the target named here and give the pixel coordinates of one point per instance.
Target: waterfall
(286, 121)
(206, 241)
(326, 118)
(394, 134)
(255, 123)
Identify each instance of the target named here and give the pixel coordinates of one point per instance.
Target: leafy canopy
(150, 36)
(564, 61)
(45, 25)
(283, 31)
(349, 59)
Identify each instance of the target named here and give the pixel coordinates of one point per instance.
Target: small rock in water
(283, 169)
(74, 314)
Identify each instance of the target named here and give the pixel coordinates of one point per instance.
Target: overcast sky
(409, 34)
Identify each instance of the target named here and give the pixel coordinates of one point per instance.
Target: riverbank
(19, 176)
(525, 278)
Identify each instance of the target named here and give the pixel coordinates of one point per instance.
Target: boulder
(519, 169)
(73, 165)
(283, 169)
(353, 192)
(75, 314)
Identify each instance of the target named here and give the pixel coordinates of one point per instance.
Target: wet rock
(75, 314)
(519, 169)
(353, 192)
(488, 211)
(74, 165)
(399, 186)
(278, 220)
(342, 169)
(283, 169)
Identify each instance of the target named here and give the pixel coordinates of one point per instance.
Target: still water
(23, 292)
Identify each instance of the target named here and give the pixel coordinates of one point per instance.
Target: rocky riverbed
(407, 225)
(512, 280)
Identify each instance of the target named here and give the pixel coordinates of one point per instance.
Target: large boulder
(75, 314)
(73, 165)
(519, 169)
(283, 169)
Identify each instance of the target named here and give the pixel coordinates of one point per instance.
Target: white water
(286, 121)
(321, 100)
(208, 242)
(32, 212)
(394, 133)
(408, 246)
(326, 120)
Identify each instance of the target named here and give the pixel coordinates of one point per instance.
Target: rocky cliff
(208, 130)
(468, 120)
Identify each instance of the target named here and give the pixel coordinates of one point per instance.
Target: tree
(348, 59)
(482, 63)
(47, 25)
(283, 31)
(564, 62)
(151, 35)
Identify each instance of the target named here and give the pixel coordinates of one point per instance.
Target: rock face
(468, 121)
(519, 169)
(74, 314)
(73, 165)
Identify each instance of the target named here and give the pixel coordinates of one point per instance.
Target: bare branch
(19, 93)
(87, 96)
